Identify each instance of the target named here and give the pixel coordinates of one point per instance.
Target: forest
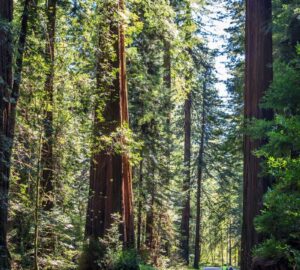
(149, 134)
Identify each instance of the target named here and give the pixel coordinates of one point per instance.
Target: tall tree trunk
(139, 221)
(9, 94)
(258, 78)
(222, 248)
(168, 106)
(199, 183)
(47, 162)
(110, 175)
(28, 8)
(127, 195)
(185, 219)
(20, 220)
(37, 205)
(106, 171)
(229, 245)
(6, 129)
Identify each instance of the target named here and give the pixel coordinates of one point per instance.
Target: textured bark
(21, 223)
(185, 219)
(168, 106)
(37, 206)
(6, 128)
(106, 170)
(199, 183)
(258, 78)
(47, 184)
(8, 110)
(110, 175)
(139, 219)
(127, 196)
(28, 4)
(167, 67)
(28, 8)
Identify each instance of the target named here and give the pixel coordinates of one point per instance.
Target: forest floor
(182, 267)
(202, 268)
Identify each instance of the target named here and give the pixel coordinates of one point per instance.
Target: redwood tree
(200, 167)
(110, 174)
(47, 149)
(6, 129)
(185, 220)
(258, 78)
(127, 195)
(140, 206)
(9, 94)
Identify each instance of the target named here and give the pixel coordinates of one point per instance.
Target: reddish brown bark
(106, 166)
(47, 181)
(10, 91)
(199, 183)
(110, 177)
(167, 68)
(258, 78)
(139, 218)
(185, 219)
(168, 106)
(6, 129)
(127, 198)
(28, 5)
(21, 222)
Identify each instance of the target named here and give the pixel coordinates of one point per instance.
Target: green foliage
(128, 260)
(146, 267)
(279, 221)
(108, 253)
(285, 90)
(272, 249)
